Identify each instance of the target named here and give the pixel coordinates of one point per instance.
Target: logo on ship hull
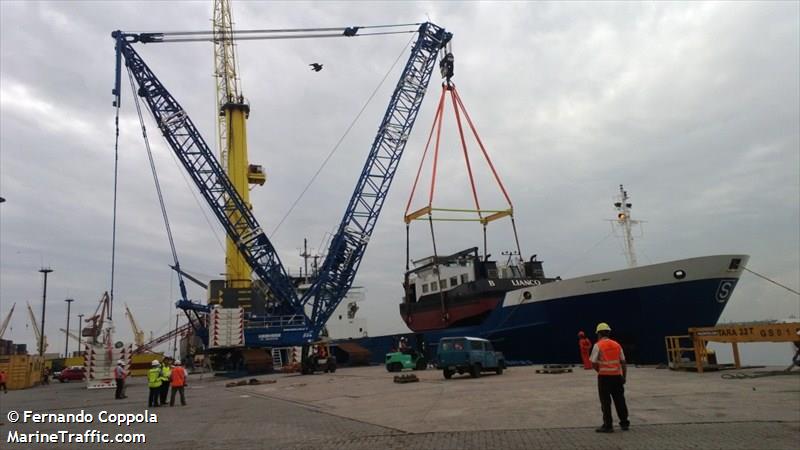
(725, 289)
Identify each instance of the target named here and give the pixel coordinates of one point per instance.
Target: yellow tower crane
(40, 337)
(6, 321)
(233, 111)
(138, 334)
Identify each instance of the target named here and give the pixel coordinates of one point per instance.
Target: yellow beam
(469, 210)
(495, 216)
(447, 219)
(418, 213)
(770, 332)
(737, 333)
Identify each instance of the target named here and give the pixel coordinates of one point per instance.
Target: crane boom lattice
(225, 71)
(287, 322)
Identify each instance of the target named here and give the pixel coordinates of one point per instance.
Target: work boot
(625, 426)
(604, 429)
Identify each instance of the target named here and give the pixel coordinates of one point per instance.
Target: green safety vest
(154, 377)
(165, 373)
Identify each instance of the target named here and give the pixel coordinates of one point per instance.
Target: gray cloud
(694, 107)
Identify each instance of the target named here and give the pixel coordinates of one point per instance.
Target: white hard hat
(177, 362)
(155, 363)
(120, 363)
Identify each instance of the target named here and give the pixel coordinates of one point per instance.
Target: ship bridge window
(434, 286)
(464, 278)
(424, 288)
(453, 281)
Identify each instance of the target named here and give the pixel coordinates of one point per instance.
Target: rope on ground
(757, 374)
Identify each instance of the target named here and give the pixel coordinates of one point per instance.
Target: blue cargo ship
(539, 322)
(534, 318)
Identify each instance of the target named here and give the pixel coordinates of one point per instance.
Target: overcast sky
(694, 107)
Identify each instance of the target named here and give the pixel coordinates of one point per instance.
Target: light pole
(45, 271)
(66, 345)
(80, 332)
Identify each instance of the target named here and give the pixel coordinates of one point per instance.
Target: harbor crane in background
(148, 346)
(282, 320)
(138, 334)
(71, 334)
(41, 339)
(97, 320)
(6, 321)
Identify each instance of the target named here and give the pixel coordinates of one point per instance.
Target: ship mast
(623, 206)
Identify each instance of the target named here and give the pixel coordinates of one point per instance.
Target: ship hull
(642, 305)
(430, 317)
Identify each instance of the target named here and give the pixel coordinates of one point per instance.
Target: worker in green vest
(154, 383)
(166, 372)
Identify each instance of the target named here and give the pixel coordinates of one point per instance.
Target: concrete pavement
(361, 408)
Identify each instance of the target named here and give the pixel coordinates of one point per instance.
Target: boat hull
(642, 305)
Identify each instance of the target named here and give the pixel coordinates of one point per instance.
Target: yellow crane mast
(233, 112)
(138, 334)
(35, 325)
(6, 321)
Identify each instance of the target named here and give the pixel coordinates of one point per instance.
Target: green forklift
(405, 358)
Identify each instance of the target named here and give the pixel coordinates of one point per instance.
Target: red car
(71, 373)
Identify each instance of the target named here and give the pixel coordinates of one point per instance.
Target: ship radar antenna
(625, 223)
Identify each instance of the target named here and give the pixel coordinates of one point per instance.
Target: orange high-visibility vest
(609, 358)
(178, 377)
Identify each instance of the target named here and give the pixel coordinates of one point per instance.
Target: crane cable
(295, 36)
(114, 209)
(339, 142)
(286, 30)
(269, 34)
(158, 186)
(201, 206)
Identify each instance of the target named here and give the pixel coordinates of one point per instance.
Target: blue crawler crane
(286, 321)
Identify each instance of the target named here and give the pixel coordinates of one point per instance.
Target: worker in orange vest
(3, 381)
(585, 345)
(608, 360)
(178, 382)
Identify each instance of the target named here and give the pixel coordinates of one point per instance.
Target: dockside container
(22, 371)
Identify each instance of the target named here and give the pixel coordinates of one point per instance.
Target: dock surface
(362, 408)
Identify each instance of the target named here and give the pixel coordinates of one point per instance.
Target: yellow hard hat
(602, 326)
